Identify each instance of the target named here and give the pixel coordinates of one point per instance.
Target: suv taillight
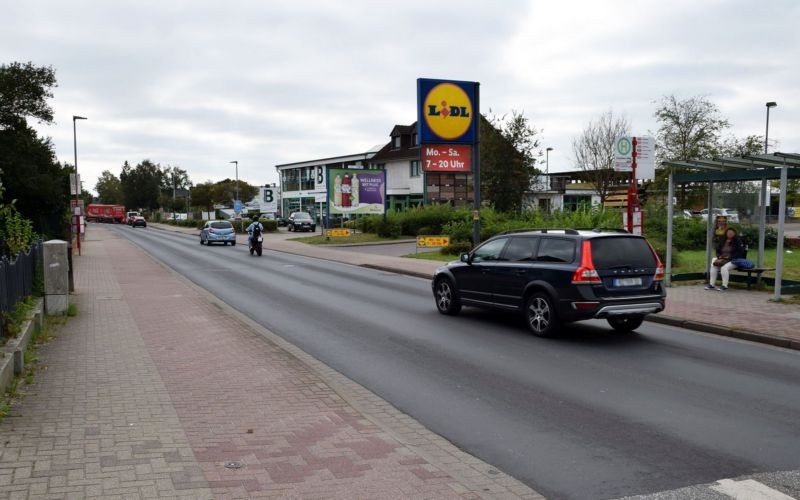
(586, 273)
(659, 276)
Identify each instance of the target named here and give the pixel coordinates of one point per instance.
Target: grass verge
(355, 238)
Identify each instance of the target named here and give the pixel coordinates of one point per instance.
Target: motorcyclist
(253, 225)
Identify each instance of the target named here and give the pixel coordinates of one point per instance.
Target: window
(307, 175)
(415, 139)
(489, 251)
(414, 170)
(521, 249)
(556, 250)
(573, 202)
(609, 253)
(396, 142)
(291, 180)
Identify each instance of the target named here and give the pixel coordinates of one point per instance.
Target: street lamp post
(766, 134)
(237, 180)
(547, 160)
(76, 211)
(762, 231)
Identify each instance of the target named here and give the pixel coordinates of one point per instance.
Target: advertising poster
(353, 191)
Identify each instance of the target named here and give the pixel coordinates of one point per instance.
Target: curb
(749, 335)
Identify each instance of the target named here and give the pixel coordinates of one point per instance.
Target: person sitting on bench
(729, 248)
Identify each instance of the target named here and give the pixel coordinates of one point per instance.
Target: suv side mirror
(464, 257)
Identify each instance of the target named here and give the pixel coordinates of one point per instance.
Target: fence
(17, 276)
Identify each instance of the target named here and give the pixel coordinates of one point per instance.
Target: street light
(547, 160)
(77, 182)
(766, 134)
(237, 179)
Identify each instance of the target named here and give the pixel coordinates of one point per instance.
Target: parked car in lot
(138, 221)
(554, 277)
(217, 231)
(732, 215)
(301, 221)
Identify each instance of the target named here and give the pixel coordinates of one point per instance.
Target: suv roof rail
(567, 230)
(604, 229)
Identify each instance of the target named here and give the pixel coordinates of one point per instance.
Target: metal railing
(17, 276)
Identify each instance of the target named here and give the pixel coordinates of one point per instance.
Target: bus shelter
(783, 166)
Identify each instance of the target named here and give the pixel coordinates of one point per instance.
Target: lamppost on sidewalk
(547, 160)
(76, 211)
(766, 134)
(237, 183)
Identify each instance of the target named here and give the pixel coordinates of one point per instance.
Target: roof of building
(408, 150)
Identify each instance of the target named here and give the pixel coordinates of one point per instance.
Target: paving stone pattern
(154, 388)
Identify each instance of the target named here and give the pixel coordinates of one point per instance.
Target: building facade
(303, 185)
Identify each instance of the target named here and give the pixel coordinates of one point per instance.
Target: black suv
(556, 276)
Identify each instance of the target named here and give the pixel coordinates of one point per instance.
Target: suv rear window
(556, 250)
(613, 252)
(221, 225)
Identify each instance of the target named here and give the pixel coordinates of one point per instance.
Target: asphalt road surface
(592, 414)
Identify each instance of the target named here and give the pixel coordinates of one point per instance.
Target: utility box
(56, 277)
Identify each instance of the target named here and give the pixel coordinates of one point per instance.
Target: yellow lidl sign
(446, 111)
(338, 232)
(433, 241)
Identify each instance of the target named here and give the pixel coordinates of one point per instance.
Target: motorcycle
(256, 240)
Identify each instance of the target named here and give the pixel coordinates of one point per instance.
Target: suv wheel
(446, 301)
(625, 324)
(540, 315)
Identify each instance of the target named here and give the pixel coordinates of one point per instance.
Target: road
(590, 415)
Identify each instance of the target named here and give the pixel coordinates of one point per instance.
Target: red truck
(97, 212)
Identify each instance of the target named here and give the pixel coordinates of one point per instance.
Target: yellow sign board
(433, 241)
(338, 232)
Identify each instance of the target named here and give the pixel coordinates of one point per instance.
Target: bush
(270, 225)
(457, 248)
(388, 228)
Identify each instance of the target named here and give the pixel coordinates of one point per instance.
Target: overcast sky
(197, 83)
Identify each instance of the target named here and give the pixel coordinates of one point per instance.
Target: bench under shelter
(760, 167)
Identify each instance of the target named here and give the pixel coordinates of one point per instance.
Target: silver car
(217, 231)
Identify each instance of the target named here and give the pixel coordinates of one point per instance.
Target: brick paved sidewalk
(154, 386)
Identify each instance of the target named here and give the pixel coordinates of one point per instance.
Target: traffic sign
(433, 241)
(338, 232)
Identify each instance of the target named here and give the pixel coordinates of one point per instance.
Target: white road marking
(748, 490)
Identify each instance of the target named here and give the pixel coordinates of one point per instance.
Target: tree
(30, 173)
(203, 196)
(225, 191)
(24, 90)
(508, 160)
(141, 185)
(734, 146)
(173, 178)
(594, 151)
(688, 129)
(109, 189)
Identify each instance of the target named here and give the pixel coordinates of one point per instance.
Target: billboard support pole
(476, 168)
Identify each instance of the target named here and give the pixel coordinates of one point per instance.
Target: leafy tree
(734, 146)
(173, 179)
(24, 90)
(141, 185)
(508, 160)
(109, 189)
(225, 191)
(594, 151)
(30, 173)
(203, 196)
(688, 129)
